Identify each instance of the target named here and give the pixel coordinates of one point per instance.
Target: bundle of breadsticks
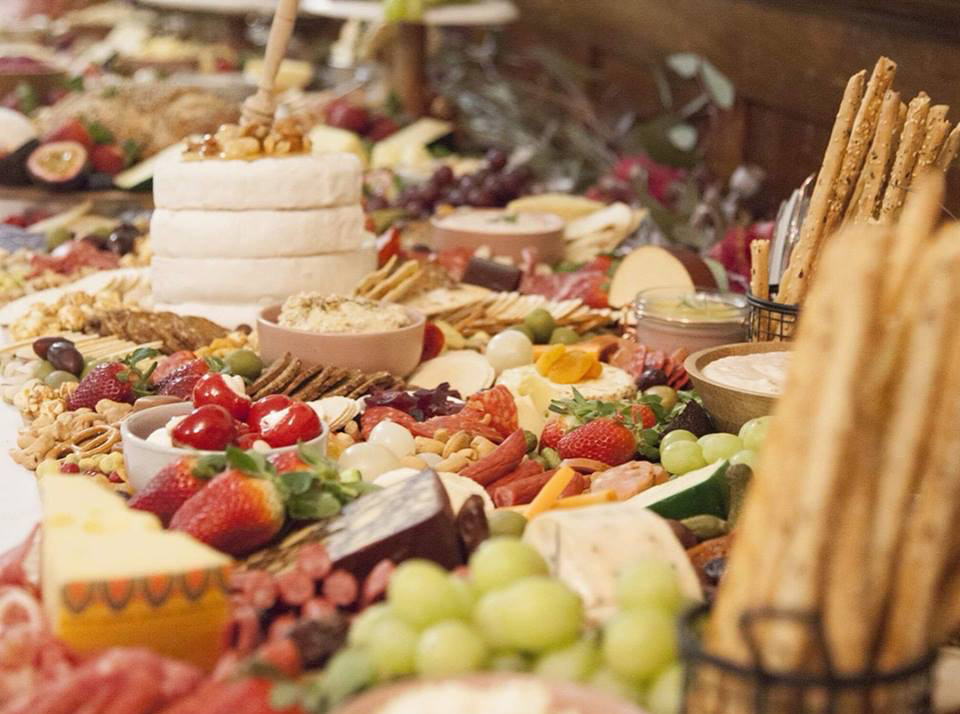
(877, 146)
(852, 516)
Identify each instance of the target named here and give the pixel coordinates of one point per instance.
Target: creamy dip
(763, 372)
(315, 312)
(501, 222)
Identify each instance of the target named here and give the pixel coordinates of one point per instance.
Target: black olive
(121, 239)
(97, 241)
(651, 378)
(42, 345)
(64, 356)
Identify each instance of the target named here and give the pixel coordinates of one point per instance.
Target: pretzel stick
(873, 176)
(949, 151)
(937, 130)
(760, 269)
(911, 141)
(793, 284)
(864, 128)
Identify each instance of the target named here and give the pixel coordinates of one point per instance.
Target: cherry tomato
(212, 388)
(297, 422)
(247, 439)
(208, 428)
(260, 408)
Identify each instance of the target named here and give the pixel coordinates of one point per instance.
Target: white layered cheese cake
(231, 237)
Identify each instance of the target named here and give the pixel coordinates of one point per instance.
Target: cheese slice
(112, 576)
(587, 548)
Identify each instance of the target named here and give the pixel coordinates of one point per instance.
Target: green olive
(504, 522)
(564, 336)
(245, 363)
(59, 377)
(668, 395)
(541, 324)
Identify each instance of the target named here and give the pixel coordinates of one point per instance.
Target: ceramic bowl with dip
(309, 329)
(671, 318)
(739, 382)
(504, 233)
(143, 458)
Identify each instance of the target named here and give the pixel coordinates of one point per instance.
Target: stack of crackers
(289, 376)
(400, 281)
(852, 514)
(879, 145)
(505, 309)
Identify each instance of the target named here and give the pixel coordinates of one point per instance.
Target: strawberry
(180, 386)
(167, 365)
(603, 439)
(107, 159)
(174, 484)
(288, 461)
(552, 432)
(117, 381)
(640, 415)
(237, 512)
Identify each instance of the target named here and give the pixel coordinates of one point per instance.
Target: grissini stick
(911, 141)
(949, 151)
(259, 108)
(760, 269)
(799, 271)
(874, 174)
(938, 128)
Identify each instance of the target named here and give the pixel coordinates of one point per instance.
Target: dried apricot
(595, 369)
(549, 358)
(571, 367)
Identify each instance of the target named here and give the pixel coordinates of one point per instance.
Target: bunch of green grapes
(509, 614)
(681, 451)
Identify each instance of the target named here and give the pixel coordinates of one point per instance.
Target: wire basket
(769, 321)
(716, 685)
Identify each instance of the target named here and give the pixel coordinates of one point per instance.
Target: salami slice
(314, 560)
(295, 587)
(375, 586)
(498, 402)
(340, 588)
(374, 415)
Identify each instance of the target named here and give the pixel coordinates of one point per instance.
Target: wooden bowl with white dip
(504, 233)
(744, 385)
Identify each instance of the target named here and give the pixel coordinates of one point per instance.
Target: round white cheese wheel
(257, 281)
(256, 234)
(288, 183)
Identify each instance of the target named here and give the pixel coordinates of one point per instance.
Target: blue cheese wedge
(587, 547)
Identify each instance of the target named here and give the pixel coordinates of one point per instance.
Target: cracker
(371, 280)
(280, 382)
(271, 372)
(399, 275)
(364, 387)
(402, 290)
(301, 378)
(354, 380)
(793, 285)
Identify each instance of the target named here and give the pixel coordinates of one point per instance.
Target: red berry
(246, 441)
(171, 365)
(298, 422)
(262, 407)
(603, 439)
(381, 127)
(107, 159)
(433, 341)
(169, 489)
(73, 130)
(208, 428)
(288, 461)
(113, 380)
(552, 432)
(212, 388)
(344, 115)
(180, 386)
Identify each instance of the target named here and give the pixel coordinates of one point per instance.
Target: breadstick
(911, 141)
(915, 228)
(760, 269)
(949, 151)
(937, 130)
(861, 136)
(873, 176)
(793, 285)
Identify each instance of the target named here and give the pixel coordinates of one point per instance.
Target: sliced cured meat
(468, 422)
(629, 479)
(498, 402)
(374, 415)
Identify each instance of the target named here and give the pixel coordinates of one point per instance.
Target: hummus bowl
(731, 406)
(396, 350)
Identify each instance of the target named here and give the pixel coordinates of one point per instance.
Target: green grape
(393, 648)
(535, 614)
(754, 432)
(421, 593)
(467, 594)
(676, 435)
(719, 446)
(682, 456)
(649, 583)
(744, 456)
(666, 692)
(450, 648)
(504, 522)
(509, 662)
(348, 671)
(501, 561)
(668, 395)
(606, 680)
(41, 369)
(361, 628)
(575, 663)
(638, 643)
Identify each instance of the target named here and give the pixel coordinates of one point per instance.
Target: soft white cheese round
(256, 234)
(290, 183)
(257, 281)
(613, 383)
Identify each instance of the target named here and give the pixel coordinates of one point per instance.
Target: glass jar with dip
(670, 318)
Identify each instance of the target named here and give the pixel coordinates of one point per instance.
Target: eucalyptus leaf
(682, 136)
(719, 86)
(686, 64)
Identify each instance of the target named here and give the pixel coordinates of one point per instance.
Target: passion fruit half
(59, 165)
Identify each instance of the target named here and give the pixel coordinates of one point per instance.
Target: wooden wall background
(789, 61)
